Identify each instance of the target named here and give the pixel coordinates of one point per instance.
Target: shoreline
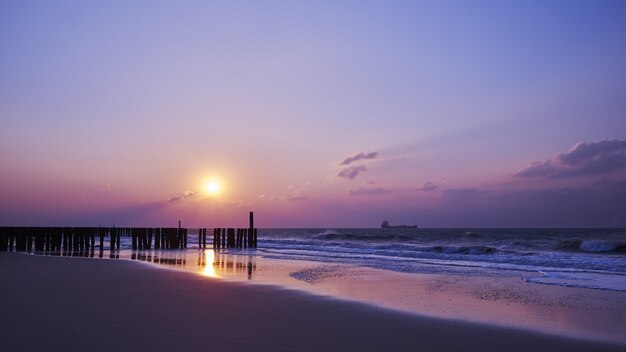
(115, 296)
(503, 300)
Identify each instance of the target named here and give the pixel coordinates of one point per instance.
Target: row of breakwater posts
(86, 239)
(76, 239)
(229, 238)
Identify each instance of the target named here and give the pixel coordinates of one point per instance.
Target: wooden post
(134, 239)
(112, 238)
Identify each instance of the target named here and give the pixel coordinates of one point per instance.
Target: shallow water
(592, 258)
(588, 258)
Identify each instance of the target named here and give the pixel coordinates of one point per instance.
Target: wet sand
(500, 297)
(72, 304)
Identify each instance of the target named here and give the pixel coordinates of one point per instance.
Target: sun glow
(212, 187)
(209, 270)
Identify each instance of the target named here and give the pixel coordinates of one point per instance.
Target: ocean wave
(470, 234)
(594, 246)
(472, 250)
(332, 235)
(602, 246)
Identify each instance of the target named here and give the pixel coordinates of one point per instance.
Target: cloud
(593, 158)
(463, 195)
(360, 156)
(427, 187)
(351, 172)
(233, 203)
(364, 191)
(295, 198)
(600, 204)
(179, 197)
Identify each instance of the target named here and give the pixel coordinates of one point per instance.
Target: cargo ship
(385, 225)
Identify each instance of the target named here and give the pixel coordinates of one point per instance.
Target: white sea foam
(604, 281)
(600, 246)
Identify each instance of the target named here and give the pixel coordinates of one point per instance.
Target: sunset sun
(212, 188)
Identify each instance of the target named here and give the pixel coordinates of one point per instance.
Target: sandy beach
(73, 304)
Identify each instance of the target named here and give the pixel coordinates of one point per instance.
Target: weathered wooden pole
(113, 238)
(133, 239)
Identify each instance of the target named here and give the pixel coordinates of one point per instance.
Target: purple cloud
(184, 195)
(295, 198)
(351, 172)
(463, 195)
(360, 156)
(364, 191)
(594, 158)
(427, 187)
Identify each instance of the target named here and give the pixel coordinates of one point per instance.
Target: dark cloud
(364, 191)
(594, 158)
(360, 156)
(427, 187)
(595, 205)
(184, 195)
(351, 172)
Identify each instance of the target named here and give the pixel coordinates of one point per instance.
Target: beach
(76, 304)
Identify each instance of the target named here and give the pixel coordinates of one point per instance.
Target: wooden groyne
(87, 239)
(76, 239)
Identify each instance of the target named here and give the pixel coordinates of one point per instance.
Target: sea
(589, 258)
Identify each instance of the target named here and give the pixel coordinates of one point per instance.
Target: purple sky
(320, 114)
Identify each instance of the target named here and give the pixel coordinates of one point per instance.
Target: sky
(313, 114)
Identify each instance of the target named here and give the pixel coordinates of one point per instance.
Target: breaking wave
(473, 250)
(594, 246)
(332, 235)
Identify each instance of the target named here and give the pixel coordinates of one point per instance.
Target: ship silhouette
(385, 225)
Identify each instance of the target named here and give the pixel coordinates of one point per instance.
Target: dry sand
(71, 304)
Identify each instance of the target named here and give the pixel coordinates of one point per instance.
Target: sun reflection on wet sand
(209, 263)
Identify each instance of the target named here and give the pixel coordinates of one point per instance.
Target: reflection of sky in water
(208, 262)
(209, 270)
